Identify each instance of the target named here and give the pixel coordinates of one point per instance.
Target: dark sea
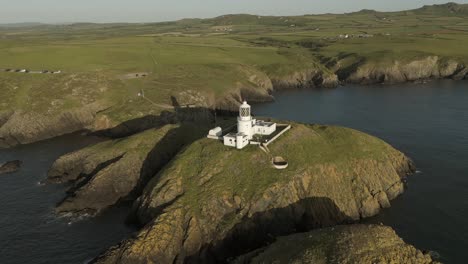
(30, 232)
(428, 122)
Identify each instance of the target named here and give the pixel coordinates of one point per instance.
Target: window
(245, 112)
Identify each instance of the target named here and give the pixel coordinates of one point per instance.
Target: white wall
(242, 142)
(264, 130)
(230, 141)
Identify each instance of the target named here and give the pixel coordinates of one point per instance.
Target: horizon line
(39, 23)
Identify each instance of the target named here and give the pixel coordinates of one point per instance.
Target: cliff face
(257, 88)
(430, 67)
(341, 244)
(211, 197)
(27, 127)
(312, 78)
(115, 170)
(19, 127)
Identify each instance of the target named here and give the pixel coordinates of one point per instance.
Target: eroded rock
(10, 166)
(27, 127)
(399, 71)
(115, 170)
(341, 244)
(213, 202)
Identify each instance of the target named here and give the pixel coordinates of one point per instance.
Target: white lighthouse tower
(244, 121)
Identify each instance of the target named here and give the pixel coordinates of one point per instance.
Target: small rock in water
(10, 166)
(434, 254)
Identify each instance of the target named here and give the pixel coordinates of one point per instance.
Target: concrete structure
(215, 133)
(237, 140)
(264, 128)
(248, 129)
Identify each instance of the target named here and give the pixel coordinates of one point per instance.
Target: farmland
(211, 62)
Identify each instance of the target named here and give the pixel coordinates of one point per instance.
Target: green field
(199, 61)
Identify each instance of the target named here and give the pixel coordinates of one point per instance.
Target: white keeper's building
(247, 127)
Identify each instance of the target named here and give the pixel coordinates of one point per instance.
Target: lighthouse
(247, 128)
(244, 120)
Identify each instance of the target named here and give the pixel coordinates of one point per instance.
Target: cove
(429, 123)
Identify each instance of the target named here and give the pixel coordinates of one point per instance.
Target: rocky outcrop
(341, 244)
(312, 78)
(26, 127)
(211, 197)
(257, 88)
(399, 71)
(10, 166)
(116, 170)
(23, 127)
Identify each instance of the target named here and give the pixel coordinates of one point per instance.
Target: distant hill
(444, 9)
(365, 11)
(448, 9)
(20, 25)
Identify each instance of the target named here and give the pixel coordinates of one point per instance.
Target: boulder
(10, 166)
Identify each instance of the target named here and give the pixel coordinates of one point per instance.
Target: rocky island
(143, 87)
(211, 203)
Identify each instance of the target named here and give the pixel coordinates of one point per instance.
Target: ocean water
(429, 123)
(30, 232)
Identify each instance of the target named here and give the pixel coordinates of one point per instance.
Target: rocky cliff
(213, 202)
(23, 127)
(18, 127)
(312, 78)
(399, 71)
(116, 170)
(341, 244)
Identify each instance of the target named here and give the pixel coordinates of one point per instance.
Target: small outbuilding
(215, 133)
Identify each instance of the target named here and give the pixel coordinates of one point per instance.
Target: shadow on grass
(191, 124)
(181, 115)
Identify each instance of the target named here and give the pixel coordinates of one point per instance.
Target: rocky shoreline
(139, 163)
(18, 128)
(153, 169)
(198, 207)
(22, 128)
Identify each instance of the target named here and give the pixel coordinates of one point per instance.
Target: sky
(63, 11)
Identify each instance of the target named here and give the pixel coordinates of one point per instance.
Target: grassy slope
(208, 189)
(336, 146)
(190, 56)
(341, 244)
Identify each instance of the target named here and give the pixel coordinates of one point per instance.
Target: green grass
(209, 170)
(191, 56)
